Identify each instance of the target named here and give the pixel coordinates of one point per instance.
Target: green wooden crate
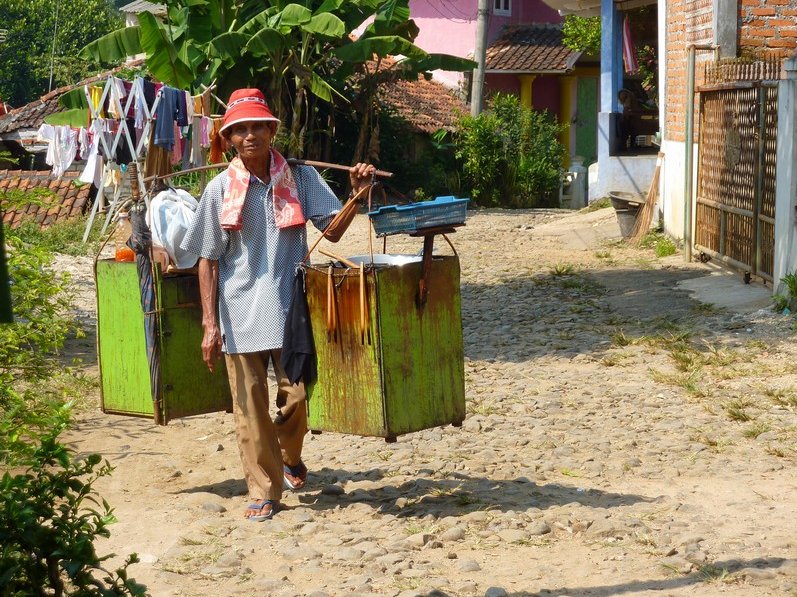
(407, 374)
(186, 386)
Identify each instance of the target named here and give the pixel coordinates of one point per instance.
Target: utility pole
(52, 54)
(480, 56)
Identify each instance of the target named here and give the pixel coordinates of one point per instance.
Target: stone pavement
(621, 438)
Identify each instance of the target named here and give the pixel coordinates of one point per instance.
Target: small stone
(332, 490)
(418, 539)
(147, 558)
(453, 534)
(538, 527)
(469, 566)
(229, 560)
(213, 507)
(495, 592)
(348, 554)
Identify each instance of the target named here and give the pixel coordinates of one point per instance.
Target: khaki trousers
(263, 444)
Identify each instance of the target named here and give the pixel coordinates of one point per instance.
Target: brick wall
(768, 24)
(765, 27)
(688, 22)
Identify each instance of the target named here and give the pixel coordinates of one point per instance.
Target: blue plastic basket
(442, 211)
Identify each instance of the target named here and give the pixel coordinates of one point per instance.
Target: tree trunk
(295, 142)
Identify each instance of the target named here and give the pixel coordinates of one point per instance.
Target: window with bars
(502, 7)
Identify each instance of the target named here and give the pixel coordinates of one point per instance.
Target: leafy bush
(49, 513)
(663, 245)
(511, 155)
(582, 33)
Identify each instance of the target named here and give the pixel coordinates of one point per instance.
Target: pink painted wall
(449, 26)
(544, 89)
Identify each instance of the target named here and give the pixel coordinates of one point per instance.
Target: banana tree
(301, 52)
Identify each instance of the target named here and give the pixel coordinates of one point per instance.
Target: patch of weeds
(566, 335)
(569, 472)
(191, 541)
(756, 429)
(615, 359)
(384, 455)
(620, 338)
(779, 303)
(720, 357)
(736, 410)
(687, 380)
(785, 397)
(482, 408)
(776, 451)
(713, 573)
(563, 269)
(414, 528)
(465, 498)
(662, 245)
(705, 309)
(601, 203)
(606, 257)
(756, 344)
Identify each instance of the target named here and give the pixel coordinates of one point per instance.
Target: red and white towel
(287, 208)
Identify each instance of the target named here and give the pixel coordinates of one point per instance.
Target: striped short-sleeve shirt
(257, 264)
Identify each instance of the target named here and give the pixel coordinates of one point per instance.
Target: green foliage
(601, 203)
(511, 155)
(64, 237)
(49, 512)
(583, 34)
(662, 245)
(25, 56)
(302, 54)
(789, 299)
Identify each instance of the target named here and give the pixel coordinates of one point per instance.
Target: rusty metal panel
(407, 372)
(347, 396)
(422, 347)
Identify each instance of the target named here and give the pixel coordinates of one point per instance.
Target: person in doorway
(249, 231)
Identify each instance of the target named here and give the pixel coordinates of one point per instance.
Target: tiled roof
(32, 115)
(425, 105)
(534, 48)
(68, 201)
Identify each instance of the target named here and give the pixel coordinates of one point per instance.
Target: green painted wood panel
(187, 386)
(121, 347)
(587, 119)
(347, 397)
(411, 376)
(422, 347)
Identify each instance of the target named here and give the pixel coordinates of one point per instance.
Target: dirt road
(621, 439)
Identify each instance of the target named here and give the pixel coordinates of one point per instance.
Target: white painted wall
(671, 191)
(786, 186)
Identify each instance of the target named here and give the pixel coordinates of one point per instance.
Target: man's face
(252, 138)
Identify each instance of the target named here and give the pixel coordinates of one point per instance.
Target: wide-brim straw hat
(247, 104)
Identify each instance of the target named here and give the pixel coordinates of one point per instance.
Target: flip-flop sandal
(259, 507)
(298, 472)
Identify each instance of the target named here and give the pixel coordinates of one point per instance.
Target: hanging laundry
(217, 143)
(629, 51)
(204, 131)
(189, 108)
(177, 147)
(116, 97)
(165, 115)
(94, 93)
(63, 145)
(89, 151)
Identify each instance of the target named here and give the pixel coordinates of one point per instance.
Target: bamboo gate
(735, 204)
